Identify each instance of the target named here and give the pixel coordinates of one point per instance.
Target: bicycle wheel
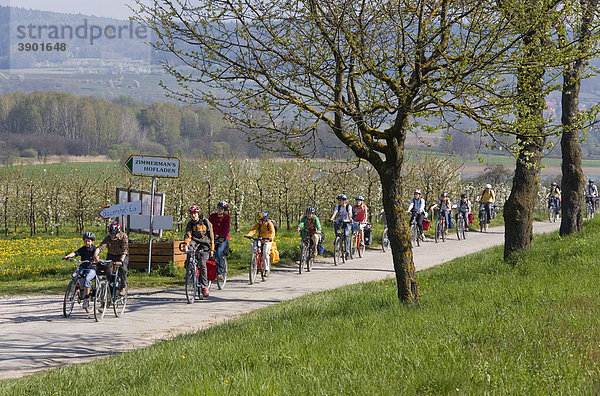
(438, 230)
(385, 242)
(70, 296)
(311, 259)
(361, 246)
(221, 282)
(191, 283)
(100, 299)
(303, 257)
(253, 268)
(414, 235)
(482, 221)
(460, 229)
(337, 250)
(119, 302)
(444, 229)
(353, 241)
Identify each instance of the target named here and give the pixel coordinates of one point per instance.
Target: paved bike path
(35, 336)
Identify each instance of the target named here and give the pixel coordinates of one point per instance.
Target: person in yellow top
(487, 199)
(266, 231)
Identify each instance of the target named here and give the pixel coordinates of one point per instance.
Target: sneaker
(220, 277)
(347, 256)
(205, 292)
(423, 236)
(86, 303)
(267, 272)
(123, 292)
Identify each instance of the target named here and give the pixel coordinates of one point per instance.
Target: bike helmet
(463, 196)
(310, 209)
(223, 204)
(89, 235)
(444, 195)
(418, 191)
(359, 198)
(591, 181)
(342, 196)
(194, 209)
(554, 184)
(488, 186)
(262, 215)
(114, 228)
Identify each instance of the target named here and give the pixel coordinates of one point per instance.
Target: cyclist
(266, 230)
(118, 250)
(199, 232)
(487, 199)
(553, 197)
(221, 222)
(310, 226)
(360, 211)
(464, 208)
(445, 207)
(89, 256)
(591, 193)
(417, 208)
(342, 219)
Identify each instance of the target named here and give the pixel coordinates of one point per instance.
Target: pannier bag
(274, 253)
(211, 270)
(470, 218)
(426, 224)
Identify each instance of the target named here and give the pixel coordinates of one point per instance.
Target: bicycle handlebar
(257, 239)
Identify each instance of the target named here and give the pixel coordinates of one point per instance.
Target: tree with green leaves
(371, 72)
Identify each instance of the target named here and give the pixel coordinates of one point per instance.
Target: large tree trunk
(518, 209)
(572, 173)
(398, 233)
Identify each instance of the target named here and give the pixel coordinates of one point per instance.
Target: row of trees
(55, 198)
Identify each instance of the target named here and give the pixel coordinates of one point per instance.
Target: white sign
(153, 166)
(143, 221)
(123, 209)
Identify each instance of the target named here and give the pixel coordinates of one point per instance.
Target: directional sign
(123, 209)
(153, 166)
(158, 222)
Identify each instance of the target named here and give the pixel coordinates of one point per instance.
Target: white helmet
(488, 186)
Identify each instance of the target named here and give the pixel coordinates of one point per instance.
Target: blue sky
(103, 8)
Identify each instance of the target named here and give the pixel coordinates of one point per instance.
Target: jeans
(554, 201)
(465, 216)
(420, 217)
(346, 228)
(89, 275)
(448, 215)
(219, 251)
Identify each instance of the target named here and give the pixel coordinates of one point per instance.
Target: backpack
(274, 224)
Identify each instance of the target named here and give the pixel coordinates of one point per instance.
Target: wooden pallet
(162, 254)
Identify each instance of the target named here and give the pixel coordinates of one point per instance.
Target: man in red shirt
(221, 222)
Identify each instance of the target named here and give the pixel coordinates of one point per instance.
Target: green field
(483, 327)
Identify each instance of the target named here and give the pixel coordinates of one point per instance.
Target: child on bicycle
(266, 230)
(199, 232)
(117, 243)
(553, 198)
(310, 226)
(445, 208)
(342, 220)
(89, 257)
(417, 208)
(463, 207)
(591, 193)
(360, 216)
(221, 222)
(487, 199)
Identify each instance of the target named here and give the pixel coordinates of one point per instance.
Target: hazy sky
(104, 8)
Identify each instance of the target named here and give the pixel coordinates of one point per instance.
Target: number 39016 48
(47, 47)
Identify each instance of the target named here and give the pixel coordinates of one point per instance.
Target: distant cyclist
(553, 198)
(463, 207)
(591, 193)
(360, 211)
(487, 199)
(198, 232)
(417, 208)
(89, 256)
(342, 220)
(266, 230)
(118, 250)
(310, 227)
(221, 222)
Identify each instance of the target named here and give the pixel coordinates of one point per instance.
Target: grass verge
(484, 326)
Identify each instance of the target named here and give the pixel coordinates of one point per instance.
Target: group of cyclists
(209, 236)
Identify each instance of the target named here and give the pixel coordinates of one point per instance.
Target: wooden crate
(162, 254)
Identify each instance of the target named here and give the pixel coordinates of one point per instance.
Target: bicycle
(101, 292)
(256, 262)
(221, 282)
(307, 254)
(460, 226)
(551, 210)
(75, 293)
(385, 241)
(483, 219)
(192, 288)
(339, 245)
(115, 285)
(591, 207)
(440, 227)
(356, 242)
(415, 234)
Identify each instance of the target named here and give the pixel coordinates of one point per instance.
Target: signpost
(123, 209)
(155, 167)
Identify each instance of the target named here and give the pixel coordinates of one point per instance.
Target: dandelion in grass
(183, 356)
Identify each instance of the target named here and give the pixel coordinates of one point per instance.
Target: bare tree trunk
(572, 174)
(399, 234)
